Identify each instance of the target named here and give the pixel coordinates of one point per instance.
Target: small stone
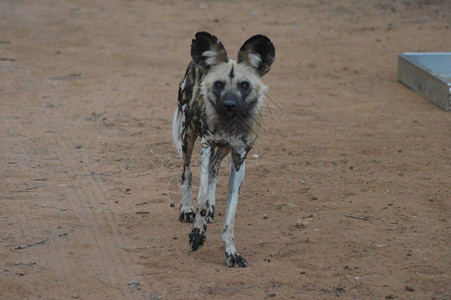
(172, 204)
(410, 288)
(133, 283)
(265, 216)
(300, 224)
(128, 190)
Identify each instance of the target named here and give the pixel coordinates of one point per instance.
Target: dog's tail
(177, 123)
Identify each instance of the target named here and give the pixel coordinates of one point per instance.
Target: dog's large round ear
(207, 51)
(258, 52)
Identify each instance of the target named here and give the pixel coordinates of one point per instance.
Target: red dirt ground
(347, 191)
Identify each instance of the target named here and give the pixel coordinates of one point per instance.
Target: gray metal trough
(429, 74)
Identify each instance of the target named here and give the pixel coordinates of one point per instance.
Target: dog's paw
(197, 238)
(211, 214)
(187, 215)
(235, 260)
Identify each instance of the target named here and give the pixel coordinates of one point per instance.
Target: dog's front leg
(199, 232)
(232, 257)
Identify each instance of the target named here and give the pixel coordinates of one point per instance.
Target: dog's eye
(244, 85)
(218, 85)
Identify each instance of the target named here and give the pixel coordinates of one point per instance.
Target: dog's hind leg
(184, 139)
(232, 257)
(186, 205)
(217, 155)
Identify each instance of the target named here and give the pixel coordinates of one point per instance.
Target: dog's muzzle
(229, 106)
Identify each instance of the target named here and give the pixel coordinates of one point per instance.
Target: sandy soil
(347, 192)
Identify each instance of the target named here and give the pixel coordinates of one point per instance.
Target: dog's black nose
(229, 104)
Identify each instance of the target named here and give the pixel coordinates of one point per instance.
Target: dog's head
(232, 89)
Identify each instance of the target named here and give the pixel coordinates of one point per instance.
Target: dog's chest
(237, 143)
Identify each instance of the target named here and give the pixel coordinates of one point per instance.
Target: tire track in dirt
(22, 147)
(26, 234)
(84, 195)
(89, 199)
(98, 219)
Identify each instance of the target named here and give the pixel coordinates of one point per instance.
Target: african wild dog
(220, 101)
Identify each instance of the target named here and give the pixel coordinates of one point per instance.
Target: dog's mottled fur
(220, 101)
